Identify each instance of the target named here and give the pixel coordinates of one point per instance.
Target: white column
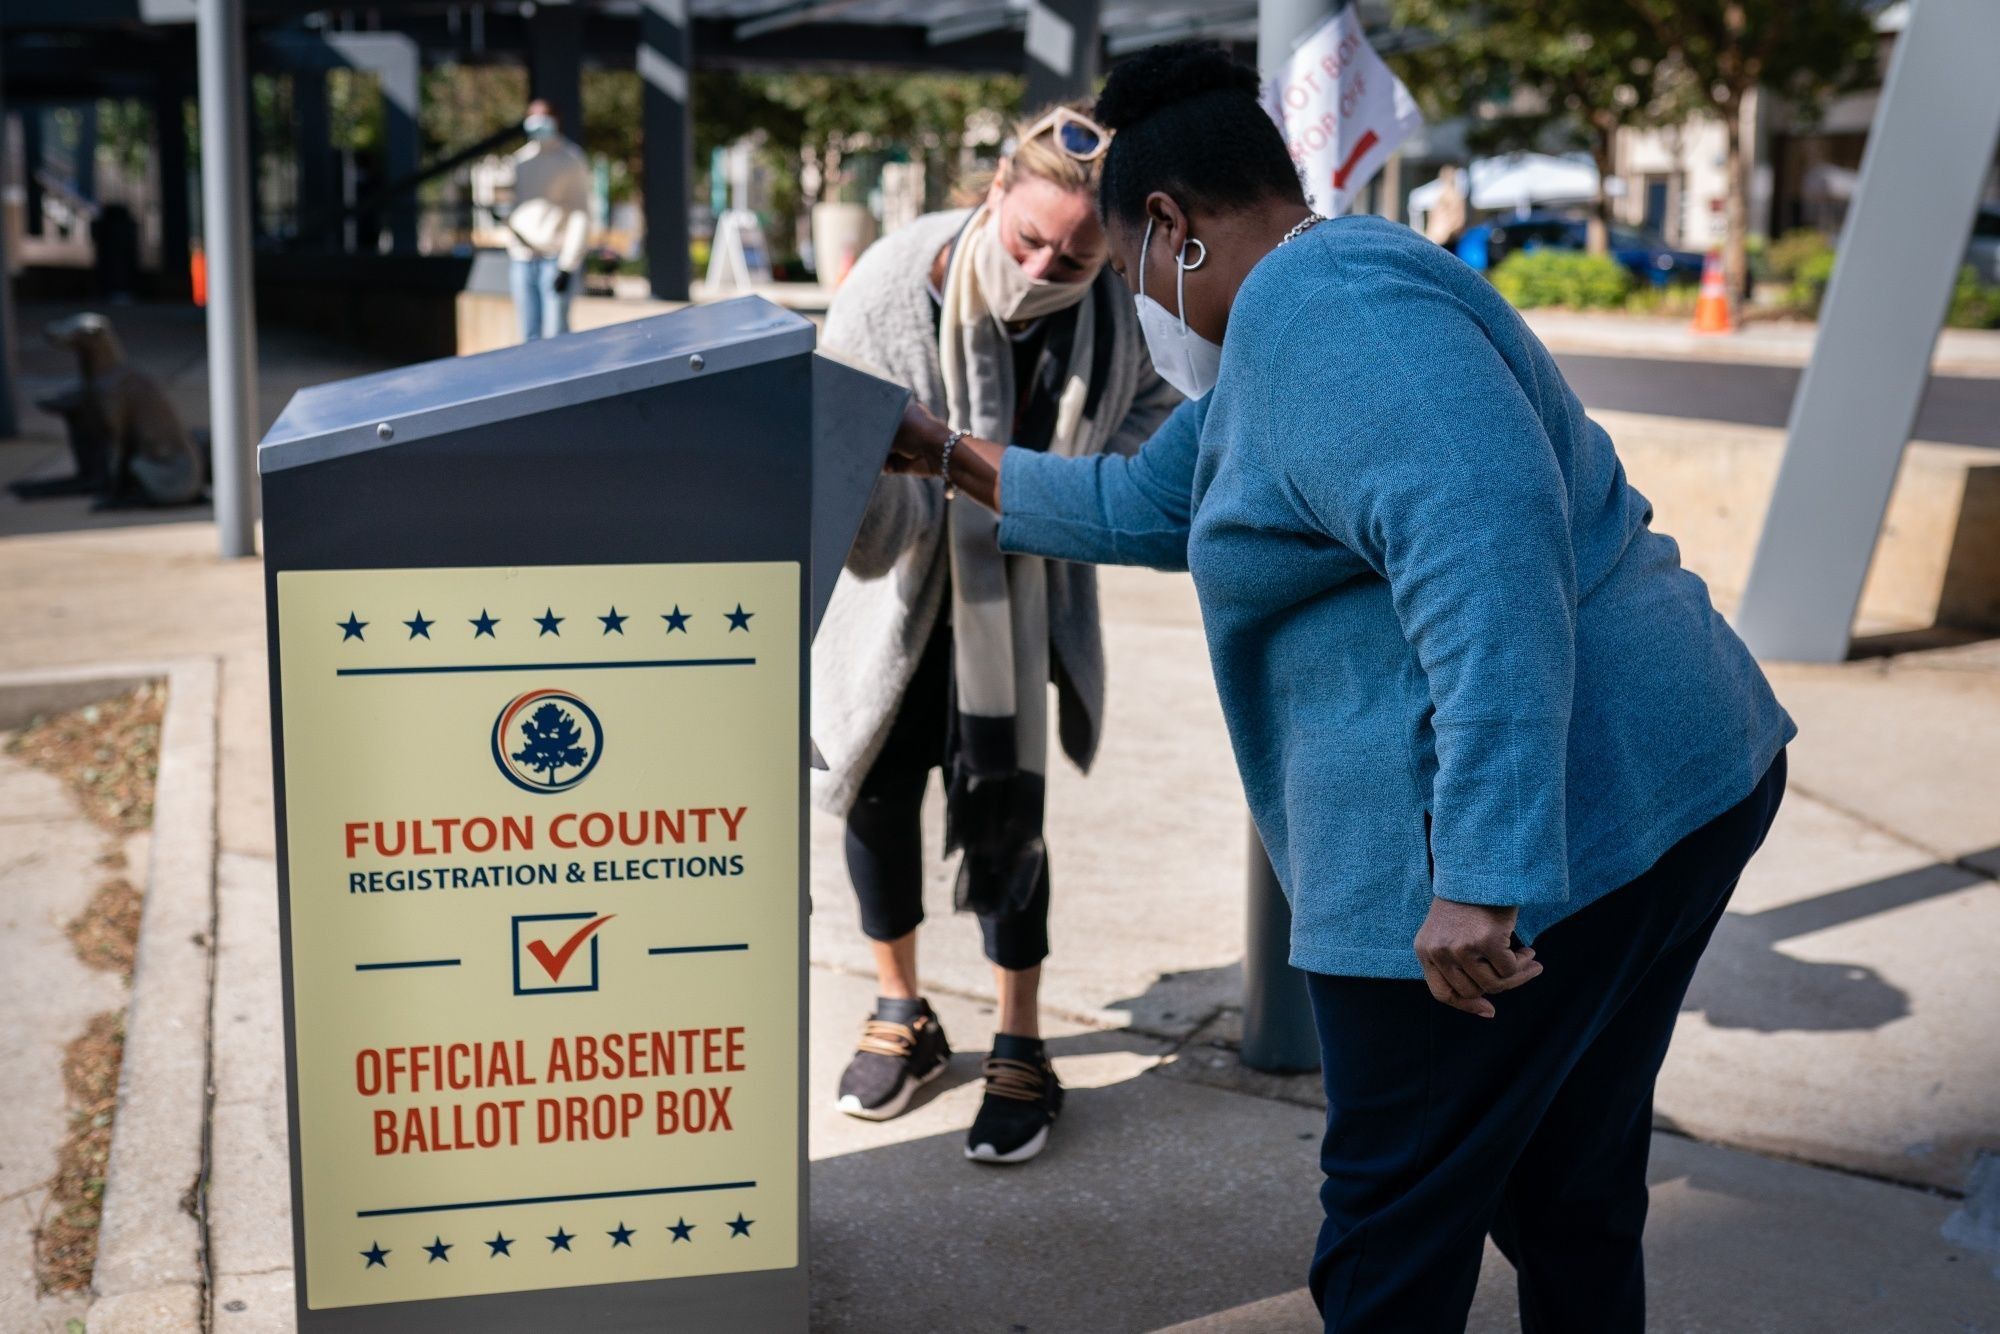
(1928, 154)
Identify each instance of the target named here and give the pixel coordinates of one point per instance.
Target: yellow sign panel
(542, 826)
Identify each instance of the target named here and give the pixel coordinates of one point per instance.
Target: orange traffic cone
(1711, 308)
(198, 275)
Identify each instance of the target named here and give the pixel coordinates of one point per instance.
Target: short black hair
(1187, 121)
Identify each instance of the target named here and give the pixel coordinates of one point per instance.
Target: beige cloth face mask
(1010, 293)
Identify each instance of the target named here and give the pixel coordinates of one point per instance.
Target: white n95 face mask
(1184, 359)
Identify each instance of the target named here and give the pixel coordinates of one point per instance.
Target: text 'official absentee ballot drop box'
(538, 632)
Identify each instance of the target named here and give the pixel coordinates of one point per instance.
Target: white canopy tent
(1519, 181)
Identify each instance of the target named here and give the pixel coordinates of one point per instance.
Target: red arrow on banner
(1345, 169)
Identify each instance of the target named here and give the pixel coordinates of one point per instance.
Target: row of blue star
(550, 623)
(377, 1255)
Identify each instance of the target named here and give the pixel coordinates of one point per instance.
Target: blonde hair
(1041, 157)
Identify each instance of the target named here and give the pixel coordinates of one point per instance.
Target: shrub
(1974, 305)
(1570, 278)
(1809, 281)
(1784, 256)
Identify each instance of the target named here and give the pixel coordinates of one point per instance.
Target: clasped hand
(1467, 952)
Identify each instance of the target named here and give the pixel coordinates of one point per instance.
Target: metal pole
(1061, 46)
(1928, 151)
(312, 146)
(555, 64)
(399, 73)
(34, 149)
(667, 130)
(396, 61)
(10, 418)
(83, 158)
(1278, 1033)
(171, 151)
(232, 331)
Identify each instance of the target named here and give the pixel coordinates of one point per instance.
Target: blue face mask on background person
(540, 127)
(1184, 359)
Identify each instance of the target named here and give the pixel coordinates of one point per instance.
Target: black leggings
(885, 845)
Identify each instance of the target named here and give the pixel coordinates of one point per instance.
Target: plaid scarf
(997, 756)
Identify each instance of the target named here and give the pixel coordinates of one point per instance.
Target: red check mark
(554, 961)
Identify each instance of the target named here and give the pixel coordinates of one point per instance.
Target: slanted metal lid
(457, 393)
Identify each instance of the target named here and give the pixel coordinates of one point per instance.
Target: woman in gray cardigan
(937, 649)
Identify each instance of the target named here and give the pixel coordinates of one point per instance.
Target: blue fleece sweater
(1453, 656)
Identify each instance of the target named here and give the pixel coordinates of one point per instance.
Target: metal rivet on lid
(695, 362)
(384, 431)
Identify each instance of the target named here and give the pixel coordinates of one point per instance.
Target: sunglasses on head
(1075, 133)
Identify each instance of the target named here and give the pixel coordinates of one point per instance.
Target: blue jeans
(1532, 1126)
(544, 311)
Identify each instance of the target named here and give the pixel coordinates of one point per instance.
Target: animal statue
(129, 444)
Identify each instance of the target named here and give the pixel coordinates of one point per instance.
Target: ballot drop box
(538, 638)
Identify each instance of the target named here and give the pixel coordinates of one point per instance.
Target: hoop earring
(1200, 259)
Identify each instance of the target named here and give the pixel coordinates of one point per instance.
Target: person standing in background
(1446, 220)
(549, 224)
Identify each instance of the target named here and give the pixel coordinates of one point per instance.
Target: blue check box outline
(520, 990)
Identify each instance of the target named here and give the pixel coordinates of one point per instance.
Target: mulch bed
(105, 934)
(66, 1241)
(109, 755)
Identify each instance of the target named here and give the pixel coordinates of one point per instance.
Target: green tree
(462, 104)
(1799, 51)
(612, 125)
(1525, 72)
(125, 130)
(827, 119)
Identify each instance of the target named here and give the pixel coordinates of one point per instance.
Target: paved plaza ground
(1826, 1118)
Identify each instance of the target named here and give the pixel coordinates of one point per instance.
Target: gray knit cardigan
(891, 592)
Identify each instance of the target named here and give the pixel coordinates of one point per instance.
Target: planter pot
(840, 233)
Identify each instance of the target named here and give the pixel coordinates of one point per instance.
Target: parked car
(1649, 258)
(1982, 252)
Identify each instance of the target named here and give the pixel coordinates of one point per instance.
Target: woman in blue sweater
(1505, 756)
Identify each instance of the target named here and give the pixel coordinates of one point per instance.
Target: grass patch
(66, 1238)
(108, 753)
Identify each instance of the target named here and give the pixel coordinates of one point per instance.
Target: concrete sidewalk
(1827, 1101)
(1835, 1023)
(1969, 352)
(51, 859)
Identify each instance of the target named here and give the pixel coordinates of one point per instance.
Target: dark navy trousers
(1532, 1126)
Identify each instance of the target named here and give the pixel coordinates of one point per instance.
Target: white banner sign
(1342, 111)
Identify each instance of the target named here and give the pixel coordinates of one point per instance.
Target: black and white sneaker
(902, 1049)
(1023, 1098)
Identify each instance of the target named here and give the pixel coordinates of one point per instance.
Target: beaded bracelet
(944, 463)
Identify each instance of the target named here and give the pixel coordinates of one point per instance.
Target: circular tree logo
(546, 741)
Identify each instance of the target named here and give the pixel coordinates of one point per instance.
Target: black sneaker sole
(895, 1106)
(986, 1153)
